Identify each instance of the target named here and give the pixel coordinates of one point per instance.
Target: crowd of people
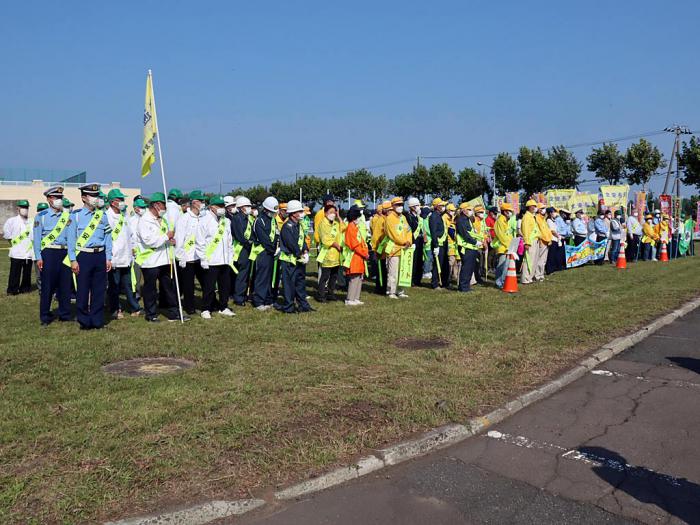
(137, 263)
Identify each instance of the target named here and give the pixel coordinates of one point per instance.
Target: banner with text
(585, 252)
(615, 196)
(559, 198)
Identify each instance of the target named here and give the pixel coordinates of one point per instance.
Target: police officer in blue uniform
(90, 255)
(50, 248)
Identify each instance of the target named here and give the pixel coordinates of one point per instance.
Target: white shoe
(205, 314)
(227, 312)
(403, 295)
(261, 308)
(392, 296)
(359, 303)
(350, 303)
(427, 276)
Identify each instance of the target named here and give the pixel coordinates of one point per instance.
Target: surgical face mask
(357, 221)
(399, 209)
(24, 212)
(331, 217)
(543, 211)
(121, 206)
(220, 212)
(100, 203)
(245, 210)
(255, 213)
(139, 211)
(271, 214)
(57, 204)
(480, 215)
(301, 216)
(507, 214)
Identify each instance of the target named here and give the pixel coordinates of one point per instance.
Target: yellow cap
(283, 206)
(465, 206)
(478, 208)
(386, 205)
(437, 201)
(396, 201)
(451, 207)
(506, 206)
(530, 202)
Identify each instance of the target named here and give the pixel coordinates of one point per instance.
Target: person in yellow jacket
(503, 236)
(329, 250)
(531, 239)
(452, 254)
(281, 216)
(663, 230)
(480, 233)
(320, 214)
(545, 241)
(378, 233)
(649, 238)
(399, 236)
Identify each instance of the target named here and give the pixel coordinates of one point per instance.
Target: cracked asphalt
(620, 445)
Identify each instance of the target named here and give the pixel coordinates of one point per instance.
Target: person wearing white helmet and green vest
(242, 230)
(214, 247)
(294, 254)
(263, 254)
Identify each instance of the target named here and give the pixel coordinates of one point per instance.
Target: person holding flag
(89, 256)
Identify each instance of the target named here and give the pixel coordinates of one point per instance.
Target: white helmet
(412, 202)
(242, 201)
(294, 206)
(229, 201)
(271, 204)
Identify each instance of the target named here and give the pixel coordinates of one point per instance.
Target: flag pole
(169, 251)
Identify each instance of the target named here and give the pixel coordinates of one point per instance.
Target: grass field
(278, 398)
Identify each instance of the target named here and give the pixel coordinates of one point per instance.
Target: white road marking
(582, 456)
(668, 382)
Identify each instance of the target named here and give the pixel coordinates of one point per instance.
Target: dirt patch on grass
(421, 343)
(147, 366)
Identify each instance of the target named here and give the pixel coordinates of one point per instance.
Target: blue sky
(254, 91)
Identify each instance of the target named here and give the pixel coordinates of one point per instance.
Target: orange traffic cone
(621, 258)
(511, 283)
(664, 254)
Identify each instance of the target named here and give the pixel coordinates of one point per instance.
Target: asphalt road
(620, 445)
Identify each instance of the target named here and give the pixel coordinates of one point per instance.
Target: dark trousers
(240, 288)
(441, 277)
(277, 279)
(632, 249)
(418, 262)
(553, 263)
(217, 275)
(155, 279)
(262, 289)
(646, 251)
(90, 295)
(187, 274)
(20, 279)
(380, 277)
(599, 262)
(55, 278)
(119, 281)
(578, 239)
(293, 281)
(469, 261)
(614, 250)
(326, 284)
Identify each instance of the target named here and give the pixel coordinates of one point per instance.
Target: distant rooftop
(30, 174)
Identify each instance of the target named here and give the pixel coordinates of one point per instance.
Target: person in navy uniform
(90, 255)
(50, 248)
(294, 255)
(266, 246)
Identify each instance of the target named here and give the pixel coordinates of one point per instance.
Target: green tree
(362, 183)
(608, 163)
(402, 185)
(689, 160)
(642, 160)
(284, 191)
(470, 184)
(256, 194)
(441, 180)
(505, 173)
(534, 170)
(563, 168)
(313, 187)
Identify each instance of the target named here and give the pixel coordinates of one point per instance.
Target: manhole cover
(418, 343)
(147, 366)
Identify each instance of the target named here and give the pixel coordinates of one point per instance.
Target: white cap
(228, 201)
(294, 206)
(413, 202)
(271, 204)
(242, 201)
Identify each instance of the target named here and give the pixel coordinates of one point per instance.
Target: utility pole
(678, 131)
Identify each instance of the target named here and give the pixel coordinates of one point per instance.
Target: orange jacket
(355, 242)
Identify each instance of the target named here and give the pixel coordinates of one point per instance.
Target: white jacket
(14, 226)
(208, 226)
(185, 227)
(134, 228)
(121, 246)
(150, 238)
(172, 213)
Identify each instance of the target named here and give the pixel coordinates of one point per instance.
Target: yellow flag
(615, 196)
(150, 130)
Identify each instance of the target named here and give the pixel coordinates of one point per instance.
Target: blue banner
(585, 252)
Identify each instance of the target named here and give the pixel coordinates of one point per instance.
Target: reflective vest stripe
(57, 230)
(87, 234)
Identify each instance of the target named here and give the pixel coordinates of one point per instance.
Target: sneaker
(227, 312)
(427, 276)
(402, 295)
(120, 315)
(185, 318)
(351, 303)
(205, 314)
(392, 296)
(359, 303)
(262, 308)
(136, 313)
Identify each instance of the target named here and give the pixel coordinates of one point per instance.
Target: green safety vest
(347, 252)
(462, 242)
(22, 236)
(57, 230)
(362, 227)
(118, 227)
(238, 246)
(258, 248)
(87, 233)
(443, 237)
(288, 257)
(387, 244)
(216, 240)
(189, 244)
